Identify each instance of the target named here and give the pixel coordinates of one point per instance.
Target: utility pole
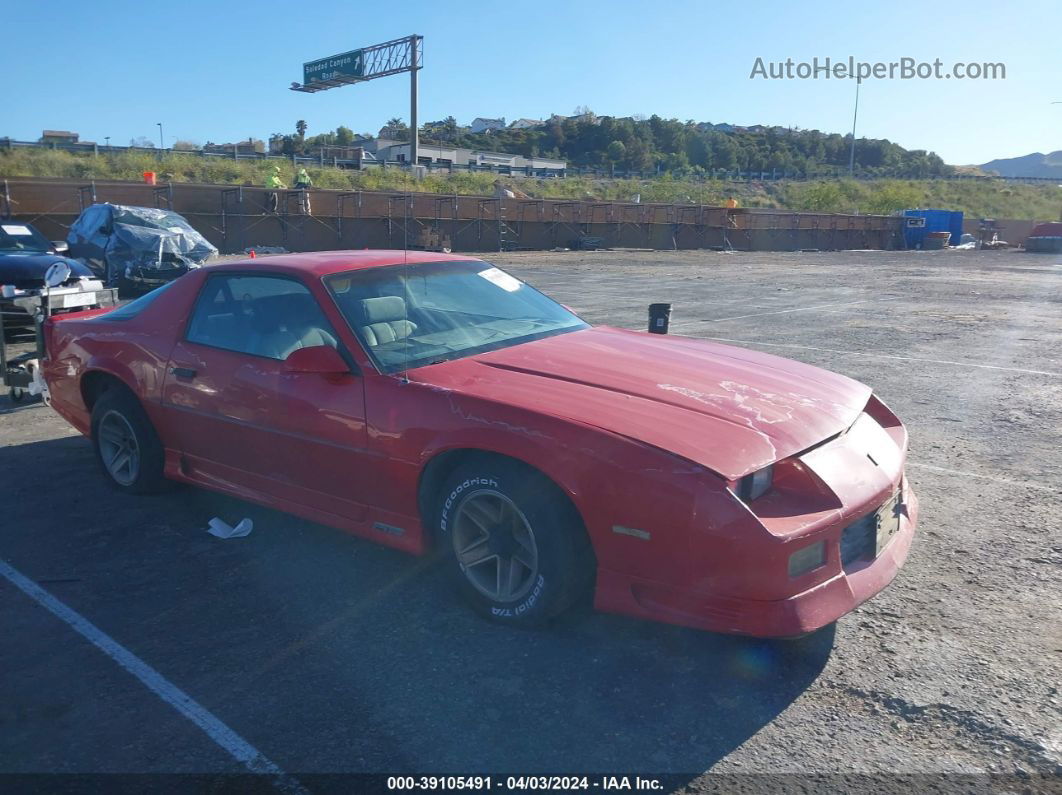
(855, 115)
(161, 144)
(414, 135)
(1060, 212)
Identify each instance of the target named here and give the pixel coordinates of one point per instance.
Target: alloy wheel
(495, 546)
(119, 448)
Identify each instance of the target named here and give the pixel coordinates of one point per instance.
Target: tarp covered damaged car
(137, 246)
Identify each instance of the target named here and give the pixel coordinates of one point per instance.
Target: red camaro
(443, 403)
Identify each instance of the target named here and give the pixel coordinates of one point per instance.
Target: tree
(399, 130)
(617, 150)
(639, 156)
(143, 142)
(344, 136)
(185, 146)
(300, 128)
(287, 144)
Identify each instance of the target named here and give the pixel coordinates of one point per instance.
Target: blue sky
(219, 71)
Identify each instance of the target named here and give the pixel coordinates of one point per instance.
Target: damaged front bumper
(155, 276)
(801, 613)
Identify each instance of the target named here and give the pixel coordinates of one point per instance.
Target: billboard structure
(369, 63)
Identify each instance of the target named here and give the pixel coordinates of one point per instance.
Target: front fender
(637, 502)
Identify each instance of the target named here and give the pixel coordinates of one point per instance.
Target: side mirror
(60, 246)
(322, 359)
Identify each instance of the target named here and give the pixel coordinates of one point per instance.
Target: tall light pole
(107, 139)
(414, 133)
(855, 115)
(161, 144)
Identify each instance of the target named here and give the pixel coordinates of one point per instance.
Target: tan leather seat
(285, 323)
(384, 320)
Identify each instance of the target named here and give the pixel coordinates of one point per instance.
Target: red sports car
(442, 403)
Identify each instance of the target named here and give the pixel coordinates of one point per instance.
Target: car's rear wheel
(515, 546)
(127, 447)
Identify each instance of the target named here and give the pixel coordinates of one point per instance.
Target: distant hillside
(658, 145)
(1035, 165)
(685, 149)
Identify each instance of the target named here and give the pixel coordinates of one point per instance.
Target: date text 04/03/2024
(523, 783)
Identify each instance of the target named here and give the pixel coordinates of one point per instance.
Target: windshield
(22, 237)
(411, 315)
(151, 219)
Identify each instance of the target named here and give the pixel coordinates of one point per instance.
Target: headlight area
(788, 498)
(889, 422)
(751, 487)
(782, 488)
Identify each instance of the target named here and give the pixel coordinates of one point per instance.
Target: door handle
(183, 372)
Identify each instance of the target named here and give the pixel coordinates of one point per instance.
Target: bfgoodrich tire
(127, 447)
(515, 547)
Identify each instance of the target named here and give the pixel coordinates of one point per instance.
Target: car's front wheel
(515, 546)
(127, 447)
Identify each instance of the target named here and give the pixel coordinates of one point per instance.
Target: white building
(481, 125)
(442, 156)
(526, 124)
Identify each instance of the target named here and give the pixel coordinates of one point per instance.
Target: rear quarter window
(136, 306)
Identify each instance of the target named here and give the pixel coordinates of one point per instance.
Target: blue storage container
(919, 222)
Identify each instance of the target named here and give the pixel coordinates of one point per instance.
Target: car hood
(26, 270)
(729, 409)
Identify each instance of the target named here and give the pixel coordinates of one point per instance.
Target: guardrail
(724, 175)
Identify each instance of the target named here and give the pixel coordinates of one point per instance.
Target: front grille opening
(859, 540)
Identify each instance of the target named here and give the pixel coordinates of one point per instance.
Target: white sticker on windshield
(176, 230)
(16, 229)
(502, 279)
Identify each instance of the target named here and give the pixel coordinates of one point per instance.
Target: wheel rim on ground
(119, 448)
(495, 546)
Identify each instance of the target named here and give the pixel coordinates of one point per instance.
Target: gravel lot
(329, 654)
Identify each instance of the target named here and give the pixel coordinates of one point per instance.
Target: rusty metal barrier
(235, 218)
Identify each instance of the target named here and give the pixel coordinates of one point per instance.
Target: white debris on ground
(220, 529)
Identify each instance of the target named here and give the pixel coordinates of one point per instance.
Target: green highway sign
(348, 64)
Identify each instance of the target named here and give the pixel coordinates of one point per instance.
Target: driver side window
(268, 316)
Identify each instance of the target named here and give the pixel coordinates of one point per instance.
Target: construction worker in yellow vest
(274, 183)
(303, 182)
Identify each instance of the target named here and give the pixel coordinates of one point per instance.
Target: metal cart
(20, 372)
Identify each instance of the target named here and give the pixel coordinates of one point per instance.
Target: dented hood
(729, 409)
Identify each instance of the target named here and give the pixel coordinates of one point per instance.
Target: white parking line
(966, 474)
(230, 741)
(885, 356)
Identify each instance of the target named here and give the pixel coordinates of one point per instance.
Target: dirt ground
(332, 655)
